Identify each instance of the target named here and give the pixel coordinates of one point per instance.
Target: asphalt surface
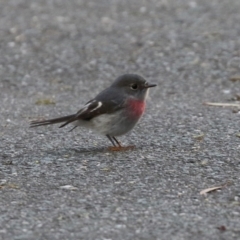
(55, 56)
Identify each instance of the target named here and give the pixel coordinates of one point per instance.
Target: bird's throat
(136, 108)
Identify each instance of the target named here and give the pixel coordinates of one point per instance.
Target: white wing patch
(85, 107)
(99, 104)
(88, 107)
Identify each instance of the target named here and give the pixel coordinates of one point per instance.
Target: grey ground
(66, 52)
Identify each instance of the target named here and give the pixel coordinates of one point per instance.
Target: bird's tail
(67, 119)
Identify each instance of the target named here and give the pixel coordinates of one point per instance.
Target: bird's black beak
(148, 85)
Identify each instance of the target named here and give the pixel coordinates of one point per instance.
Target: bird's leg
(115, 147)
(110, 138)
(118, 143)
(119, 147)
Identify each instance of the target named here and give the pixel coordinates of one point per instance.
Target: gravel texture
(55, 55)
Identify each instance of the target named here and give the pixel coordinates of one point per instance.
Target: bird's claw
(120, 148)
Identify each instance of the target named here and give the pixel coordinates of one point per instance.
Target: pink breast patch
(136, 108)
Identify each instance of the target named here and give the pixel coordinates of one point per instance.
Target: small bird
(113, 112)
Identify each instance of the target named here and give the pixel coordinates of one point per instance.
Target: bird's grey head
(133, 84)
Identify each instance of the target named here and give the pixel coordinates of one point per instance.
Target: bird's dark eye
(134, 86)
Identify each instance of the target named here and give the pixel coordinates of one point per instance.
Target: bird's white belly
(112, 124)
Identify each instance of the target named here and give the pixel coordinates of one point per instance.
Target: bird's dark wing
(95, 108)
(105, 103)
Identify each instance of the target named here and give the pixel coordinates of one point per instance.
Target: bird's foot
(120, 148)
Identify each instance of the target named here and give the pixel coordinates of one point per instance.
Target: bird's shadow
(108, 149)
(75, 151)
(91, 150)
(88, 150)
